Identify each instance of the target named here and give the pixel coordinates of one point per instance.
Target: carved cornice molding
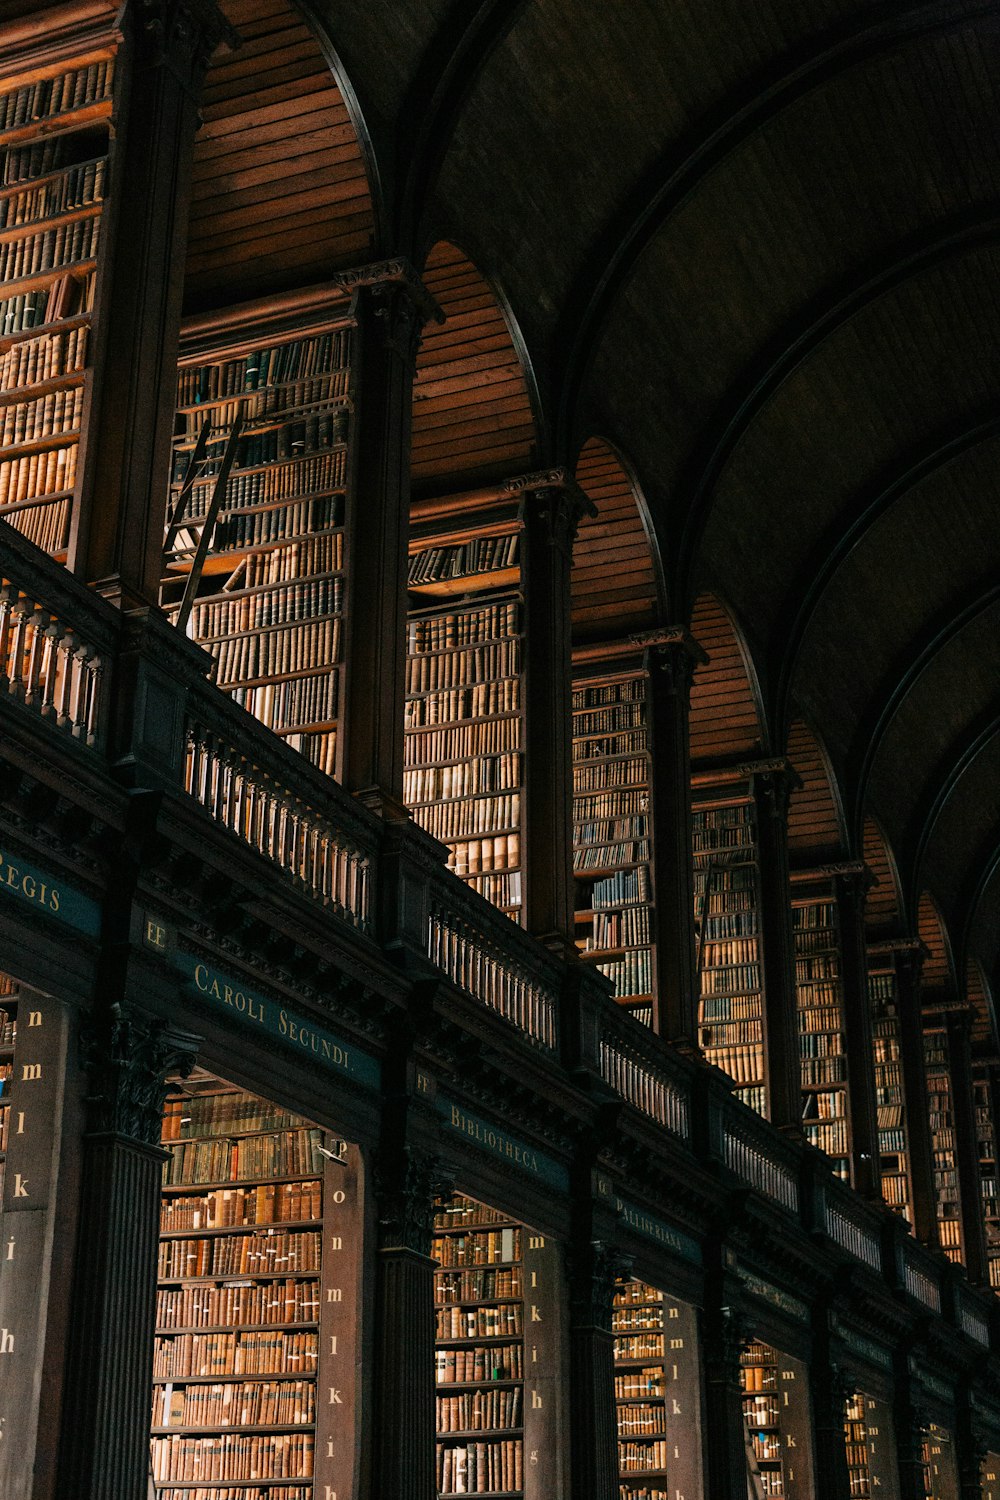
(182, 35)
(551, 499)
(405, 1187)
(595, 1269)
(384, 276)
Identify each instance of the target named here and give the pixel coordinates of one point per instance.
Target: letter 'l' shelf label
(261, 1014)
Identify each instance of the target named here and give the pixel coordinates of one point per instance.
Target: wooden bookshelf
(859, 1476)
(612, 844)
(990, 1477)
(270, 603)
(987, 1150)
(762, 1417)
(55, 143)
(479, 1349)
(822, 1042)
(464, 703)
(893, 1137)
(240, 1317)
(641, 1378)
(943, 1153)
(939, 1465)
(727, 903)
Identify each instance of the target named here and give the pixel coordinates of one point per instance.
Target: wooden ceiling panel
(613, 584)
(280, 187)
(815, 827)
(725, 722)
(937, 971)
(984, 1033)
(883, 908)
(472, 413)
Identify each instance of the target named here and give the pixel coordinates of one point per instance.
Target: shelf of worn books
(612, 836)
(727, 902)
(777, 1422)
(942, 1126)
(263, 431)
(641, 1376)
(859, 1477)
(479, 1349)
(240, 1330)
(8, 1040)
(54, 135)
(869, 1446)
(983, 1097)
(893, 1138)
(820, 1001)
(464, 703)
(938, 1460)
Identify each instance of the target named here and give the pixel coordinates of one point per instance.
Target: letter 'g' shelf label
(43, 892)
(269, 1018)
(498, 1142)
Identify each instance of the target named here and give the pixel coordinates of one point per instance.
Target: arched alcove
(473, 414)
(281, 185)
(884, 906)
(815, 814)
(726, 717)
(938, 971)
(615, 579)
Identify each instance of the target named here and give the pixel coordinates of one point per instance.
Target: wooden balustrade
(757, 1156)
(272, 799)
(919, 1276)
(642, 1079)
(505, 970)
(850, 1226)
(973, 1318)
(56, 642)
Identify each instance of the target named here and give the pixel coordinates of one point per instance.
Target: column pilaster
(911, 1044)
(959, 1030)
(551, 508)
(670, 658)
(595, 1268)
(725, 1335)
(771, 786)
(852, 885)
(117, 540)
(391, 307)
(105, 1439)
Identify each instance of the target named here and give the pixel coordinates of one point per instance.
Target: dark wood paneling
(882, 908)
(814, 821)
(613, 584)
(724, 718)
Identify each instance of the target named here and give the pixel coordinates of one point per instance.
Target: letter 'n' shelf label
(46, 893)
(500, 1143)
(263, 1014)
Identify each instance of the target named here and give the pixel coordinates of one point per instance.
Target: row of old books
(30, 421)
(240, 1352)
(611, 771)
(79, 186)
(223, 1114)
(65, 244)
(459, 743)
(485, 1409)
(478, 1285)
(470, 856)
(631, 974)
(296, 440)
(627, 927)
(277, 651)
(264, 1253)
(603, 747)
(489, 773)
(48, 357)
(463, 818)
(233, 1456)
(480, 1468)
(283, 1153)
(65, 296)
(238, 1304)
(260, 609)
(466, 627)
(258, 1403)
(478, 1322)
(639, 1383)
(266, 1203)
(485, 1362)
(271, 367)
(482, 554)
(57, 95)
(478, 699)
(267, 403)
(637, 1321)
(486, 1248)
(297, 703)
(432, 671)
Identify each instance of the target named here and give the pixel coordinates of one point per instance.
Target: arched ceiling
(757, 249)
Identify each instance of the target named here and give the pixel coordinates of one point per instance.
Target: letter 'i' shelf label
(262, 1013)
(46, 893)
(518, 1154)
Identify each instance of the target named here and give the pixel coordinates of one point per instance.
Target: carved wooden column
(909, 1422)
(959, 1029)
(852, 884)
(404, 1426)
(551, 509)
(972, 1444)
(595, 1269)
(911, 1046)
(392, 307)
(829, 1390)
(724, 1337)
(771, 786)
(117, 541)
(105, 1437)
(670, 660)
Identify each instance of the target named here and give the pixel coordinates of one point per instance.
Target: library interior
(499, 750)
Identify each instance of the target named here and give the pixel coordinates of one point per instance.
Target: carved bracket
(405, 1189)
(128, 1059)
(595, 1269)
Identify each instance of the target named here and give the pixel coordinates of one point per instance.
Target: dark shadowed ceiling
(755, 248)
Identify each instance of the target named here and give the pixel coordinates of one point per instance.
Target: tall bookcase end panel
(941, 1111)
(257, 517)
(612, 844)
(257, 1301)
(656, 1393)
(777, 1424)
(464, 731)
(727, 927)
(890, 1103)
(8, 1040)
(55, 160)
